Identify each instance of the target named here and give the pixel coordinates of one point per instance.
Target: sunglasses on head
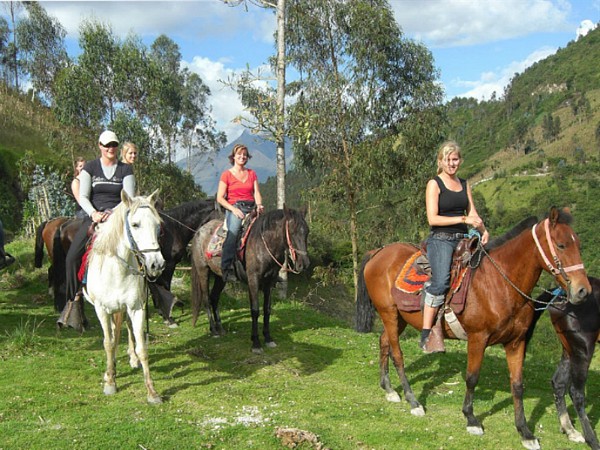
(110, 145)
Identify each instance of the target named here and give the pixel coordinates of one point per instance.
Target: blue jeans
(439, 253)
(234, 226)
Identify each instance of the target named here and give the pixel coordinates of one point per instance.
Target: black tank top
(452, 204)
(106, 193)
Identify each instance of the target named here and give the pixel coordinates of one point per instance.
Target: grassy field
(322, 378)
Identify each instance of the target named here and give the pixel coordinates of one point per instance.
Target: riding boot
(435, 343)
(73, 316)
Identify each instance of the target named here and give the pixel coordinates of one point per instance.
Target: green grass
(323, 377)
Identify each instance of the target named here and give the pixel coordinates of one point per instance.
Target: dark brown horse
(44, 237)
(578, 329)
(498, 308)
(273, 235)
(56, 235)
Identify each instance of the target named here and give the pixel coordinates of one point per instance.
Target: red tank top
(238, 190)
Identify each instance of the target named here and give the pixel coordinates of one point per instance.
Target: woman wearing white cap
(101, 182)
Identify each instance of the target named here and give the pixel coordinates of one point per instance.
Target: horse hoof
(271, 344)
(531, 444)
(418, 411)
(135, 364)
(154, 400)
(110, 389)
(575, 436)
(257, 351)
(475, 431)
(392, 397)
(172, 324)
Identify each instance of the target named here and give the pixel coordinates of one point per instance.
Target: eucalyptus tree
(4, 54)
(13, 8)
(42, 47)
(361, 82)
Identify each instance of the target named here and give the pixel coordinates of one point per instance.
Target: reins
(293, 251)
(177, 221)
(558, 270)
(139, 254)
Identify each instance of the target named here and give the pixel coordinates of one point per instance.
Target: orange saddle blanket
(409, 283)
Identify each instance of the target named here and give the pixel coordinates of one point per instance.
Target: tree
(361, 81)
(42, 47)
(4, 54)
(13, 8)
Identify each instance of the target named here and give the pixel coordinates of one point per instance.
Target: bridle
(293, 252)
(137, 252)
(558, 269)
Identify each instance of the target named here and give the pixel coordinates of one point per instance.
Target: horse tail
(365, 312)
(58, 271)
(39, 244)
(196, 295)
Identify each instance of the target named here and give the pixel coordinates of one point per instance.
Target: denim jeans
(234, 226)
(439, 253)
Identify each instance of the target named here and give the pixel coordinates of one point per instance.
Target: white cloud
(491, 82)
(451, 23)
(585, 27)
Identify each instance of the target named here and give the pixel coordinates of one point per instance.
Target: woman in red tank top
(238, 193)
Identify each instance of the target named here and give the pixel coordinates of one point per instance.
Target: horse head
(562, 243)
(142, 228)
(297, 238)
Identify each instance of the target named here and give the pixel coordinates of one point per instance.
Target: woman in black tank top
(450, 212)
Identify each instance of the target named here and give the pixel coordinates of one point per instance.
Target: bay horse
(273, 235)
(44, 237)
(125, 255)
(578, 329)
(498, 310)
(178, 227)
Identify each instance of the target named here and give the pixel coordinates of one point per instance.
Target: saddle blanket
(409, 283)
(215, 245)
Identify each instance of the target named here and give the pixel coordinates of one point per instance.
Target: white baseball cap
(107, 137)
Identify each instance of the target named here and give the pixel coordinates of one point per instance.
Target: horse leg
(515, 354)
(560, 383)
(137, 322)
(110, 385)
(390, 346)
(254, 312)
(267, 317)
(579, 372)
(216, 327)
(134, 361)
(475, 351)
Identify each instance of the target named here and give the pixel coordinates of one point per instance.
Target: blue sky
(478, 45)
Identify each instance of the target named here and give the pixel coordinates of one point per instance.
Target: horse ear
(153, 198)
(553, 216)
(125, 198)
(303, 211)
(285, 210)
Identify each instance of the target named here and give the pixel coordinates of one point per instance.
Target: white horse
(125, 254)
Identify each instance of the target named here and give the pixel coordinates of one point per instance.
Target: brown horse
(273, 235)
(499, 309)
(55, 233)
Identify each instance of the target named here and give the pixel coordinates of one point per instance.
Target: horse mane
(514, 232)
(111, 231)
(270, 218)
(185, 209)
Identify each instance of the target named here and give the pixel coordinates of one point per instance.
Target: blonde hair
(446, 149)
(126, 147)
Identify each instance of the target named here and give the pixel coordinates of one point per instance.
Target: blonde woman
(450, 212)
(129, 153)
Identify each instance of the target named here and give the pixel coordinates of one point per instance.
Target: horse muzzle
(155, 264)
(578, 289)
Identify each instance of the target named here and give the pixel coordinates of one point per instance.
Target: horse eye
(561, 246)
(135, 225)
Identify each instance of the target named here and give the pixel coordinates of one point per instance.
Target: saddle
(416, 272)
(215, 245)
